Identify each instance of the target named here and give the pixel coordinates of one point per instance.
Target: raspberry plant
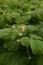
(21, 32)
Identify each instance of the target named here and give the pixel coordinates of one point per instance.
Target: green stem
(28, 53)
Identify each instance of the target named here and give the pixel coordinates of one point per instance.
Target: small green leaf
(35, 36)
(25, 41)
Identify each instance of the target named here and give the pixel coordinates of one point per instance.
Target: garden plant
(21, 32)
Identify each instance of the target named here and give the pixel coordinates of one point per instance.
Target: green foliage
(8, 33)
(25, 41)
(21, 32)
(36, 46)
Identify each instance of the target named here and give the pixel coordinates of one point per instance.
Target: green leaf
(39, 31)
(8, 33)
(36, 46)
(11, 45)
(25, 41)
(29, 29)
(34, 36)
(4, 32)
